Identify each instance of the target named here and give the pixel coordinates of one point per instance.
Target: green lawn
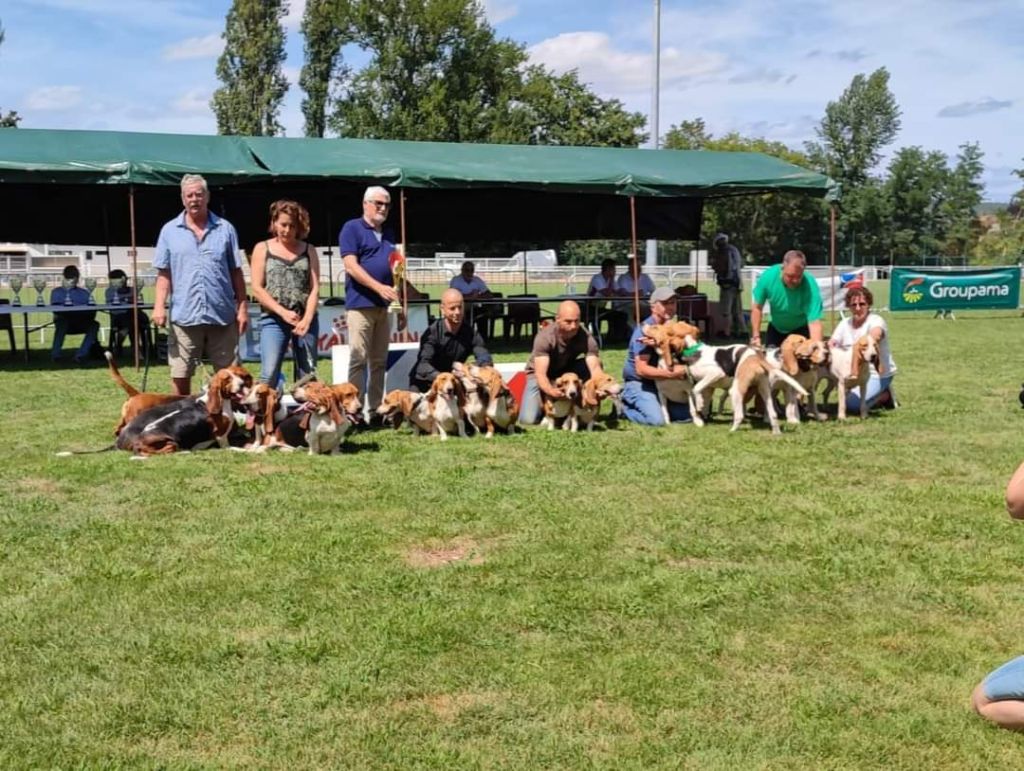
(632, 598)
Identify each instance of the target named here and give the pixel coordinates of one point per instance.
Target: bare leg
(1005, 714)
(1015, 494)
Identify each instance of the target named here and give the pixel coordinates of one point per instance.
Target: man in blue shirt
(73, 322)
(198, 262)
(369, 288)
(640, 400)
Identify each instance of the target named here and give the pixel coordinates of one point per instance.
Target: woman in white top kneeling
(863, 322)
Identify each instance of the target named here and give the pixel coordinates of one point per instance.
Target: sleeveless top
(288, 282)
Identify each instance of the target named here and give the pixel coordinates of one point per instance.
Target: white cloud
(195, 101)
(293, 18)
(204, 47)
(292, 74)
(498, 11)
(964, 109)
(54, 98)
(611, 70)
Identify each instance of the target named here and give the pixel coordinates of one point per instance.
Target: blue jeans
(60, 331)
(275, 335)
(875, 387)
(640, 404)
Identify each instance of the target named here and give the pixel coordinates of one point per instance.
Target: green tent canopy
(68, 186)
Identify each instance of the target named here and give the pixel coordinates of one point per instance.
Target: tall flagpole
(652, 244)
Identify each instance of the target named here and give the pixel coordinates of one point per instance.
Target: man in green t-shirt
(794, 299)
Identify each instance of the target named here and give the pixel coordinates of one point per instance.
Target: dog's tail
(69, 453)
(116, 374)
(781, 374)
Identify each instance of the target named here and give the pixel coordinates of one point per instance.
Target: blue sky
(760, 67)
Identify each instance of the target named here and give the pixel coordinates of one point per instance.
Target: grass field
(633, 598)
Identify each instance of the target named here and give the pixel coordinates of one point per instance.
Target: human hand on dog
(556, 393)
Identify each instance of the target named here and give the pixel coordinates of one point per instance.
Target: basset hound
(596, 390)
(137, 401)
(189, 423)
(475, 407)
(447, 401)
(399, 405)
(321, 423)
(265, 411)
(851, 368)
(502, 410)
(564, 407)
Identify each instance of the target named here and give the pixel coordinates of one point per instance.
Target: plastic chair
(7, 322)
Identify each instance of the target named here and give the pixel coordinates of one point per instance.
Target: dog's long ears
(268, 417)
(789, 363)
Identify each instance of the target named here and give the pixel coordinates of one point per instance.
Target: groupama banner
(920, 290)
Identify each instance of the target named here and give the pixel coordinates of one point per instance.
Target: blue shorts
(1006, 683)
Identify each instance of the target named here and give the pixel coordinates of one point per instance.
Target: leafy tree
(560, 110)
(10, 120)
(963, 195)
(326, 28)
(916, 190)
(762, 226)
(1004, 242)
(855, 128)
(250, 69)
(438, 72)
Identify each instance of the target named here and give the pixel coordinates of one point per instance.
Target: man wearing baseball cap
(640, 401)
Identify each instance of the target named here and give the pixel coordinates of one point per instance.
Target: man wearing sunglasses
(369, 287)
(794, 298)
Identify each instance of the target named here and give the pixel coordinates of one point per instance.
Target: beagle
(447, 401)
(189, 423)
(502, 410)
(564, 407)
(806, 361)
(851, 368)
(671, 340)
(595, 390)
(399, 405)
(740, 369)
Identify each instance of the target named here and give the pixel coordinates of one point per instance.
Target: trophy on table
(397, 262)
(39, 284)
(90, 286)
(140, 284)
(16, 283)
(116, 283)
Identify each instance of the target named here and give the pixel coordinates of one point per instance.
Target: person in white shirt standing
(862, 322)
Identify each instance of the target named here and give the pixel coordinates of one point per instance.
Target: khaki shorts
(187, 347)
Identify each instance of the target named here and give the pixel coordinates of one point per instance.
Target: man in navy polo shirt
(369, 287)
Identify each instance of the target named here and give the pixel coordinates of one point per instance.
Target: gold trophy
(16, 282)
(397, 262)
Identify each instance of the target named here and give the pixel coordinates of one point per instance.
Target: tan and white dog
(502, 410)
(851, 368)
(670, 340)
(447, 400)
(399, 405)
(564, 407)
(324, 423)
(807, 362)
(474, 408)
(595, 391)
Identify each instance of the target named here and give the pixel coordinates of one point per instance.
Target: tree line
(436, 70)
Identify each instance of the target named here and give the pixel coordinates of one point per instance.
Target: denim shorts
(1007, 682)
